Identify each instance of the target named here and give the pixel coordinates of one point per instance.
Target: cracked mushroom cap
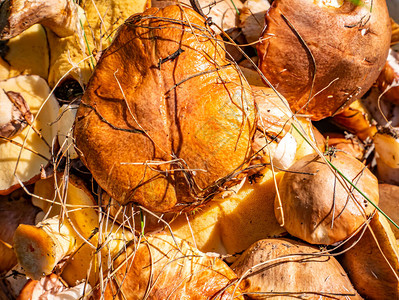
(316, 208)
(166, 119)
(349, 43)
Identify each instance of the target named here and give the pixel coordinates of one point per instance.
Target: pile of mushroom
(198, 149)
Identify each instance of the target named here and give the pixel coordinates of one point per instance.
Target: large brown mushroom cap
(165, 119)
(163, 267)
(316, 207)
(287, 269)
(349, 43)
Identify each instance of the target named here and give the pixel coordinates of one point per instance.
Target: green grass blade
(351, 183)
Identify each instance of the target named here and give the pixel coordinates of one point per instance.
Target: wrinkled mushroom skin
(180, 110)
(349, 43)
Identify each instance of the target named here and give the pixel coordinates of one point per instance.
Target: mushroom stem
(86, 235)
(17, 15)
(39, 248)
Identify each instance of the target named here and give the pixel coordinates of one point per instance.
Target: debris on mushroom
(223, 13)
(15, 116)
(318, 206)
(321, 56)
(78, 233)
(350, 144)
(283, 267)
(176, 269)
(174, 125)
(24, 156)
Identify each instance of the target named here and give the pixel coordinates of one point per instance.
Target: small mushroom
(39, 248)
(223, 13)
(349, 144)
(314, 205)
